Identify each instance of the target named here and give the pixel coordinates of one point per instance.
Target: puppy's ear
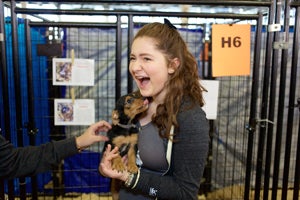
(115, 117)
(136, 94)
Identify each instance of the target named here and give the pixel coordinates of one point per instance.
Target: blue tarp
(81, 174)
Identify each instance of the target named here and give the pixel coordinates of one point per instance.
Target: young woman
(30, 160)
(174, 138)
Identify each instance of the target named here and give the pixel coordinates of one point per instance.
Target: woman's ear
(174, 64)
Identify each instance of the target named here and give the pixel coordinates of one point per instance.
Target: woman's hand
(105, 166)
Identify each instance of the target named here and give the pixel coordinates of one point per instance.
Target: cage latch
(281, 45)
(274, 27)
(31, 130)
(263, 122)
(1, 37)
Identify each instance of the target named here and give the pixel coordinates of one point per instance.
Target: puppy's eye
(129, 101)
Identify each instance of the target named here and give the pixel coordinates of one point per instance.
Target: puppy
(124, 134)
(124, 131)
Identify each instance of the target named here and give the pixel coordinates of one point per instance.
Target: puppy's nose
(146, 101)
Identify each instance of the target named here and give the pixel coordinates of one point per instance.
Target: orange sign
(230, 49)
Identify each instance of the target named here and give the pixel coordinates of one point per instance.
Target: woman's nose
(135, 66)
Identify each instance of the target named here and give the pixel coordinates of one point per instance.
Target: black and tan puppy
(124, 131)
(124, 134)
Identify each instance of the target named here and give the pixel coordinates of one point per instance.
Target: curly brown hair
(183, 83)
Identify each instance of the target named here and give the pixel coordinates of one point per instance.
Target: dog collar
(127, 126)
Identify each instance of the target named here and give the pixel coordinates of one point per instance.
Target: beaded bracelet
(129, 179)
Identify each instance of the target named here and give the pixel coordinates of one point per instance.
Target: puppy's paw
(132, 168)
(118, 165)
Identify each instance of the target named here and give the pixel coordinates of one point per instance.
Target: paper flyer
(79, 112)
(79, 73)
(211, 98)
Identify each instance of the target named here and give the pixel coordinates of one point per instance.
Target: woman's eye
(147, 59)
(131, 58)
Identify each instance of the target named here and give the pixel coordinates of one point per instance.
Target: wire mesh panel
(79, 174)
(99, 45)
(224, 176)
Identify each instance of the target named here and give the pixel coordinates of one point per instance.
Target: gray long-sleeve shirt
(188, 160)
(30, 160)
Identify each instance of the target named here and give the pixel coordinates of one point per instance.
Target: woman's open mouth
(142, 80)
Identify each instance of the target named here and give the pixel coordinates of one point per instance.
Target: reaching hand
(91, 135)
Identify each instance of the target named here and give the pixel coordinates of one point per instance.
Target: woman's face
(148, 67)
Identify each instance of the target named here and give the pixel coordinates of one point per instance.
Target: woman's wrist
(124, 176)
(130, 179)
